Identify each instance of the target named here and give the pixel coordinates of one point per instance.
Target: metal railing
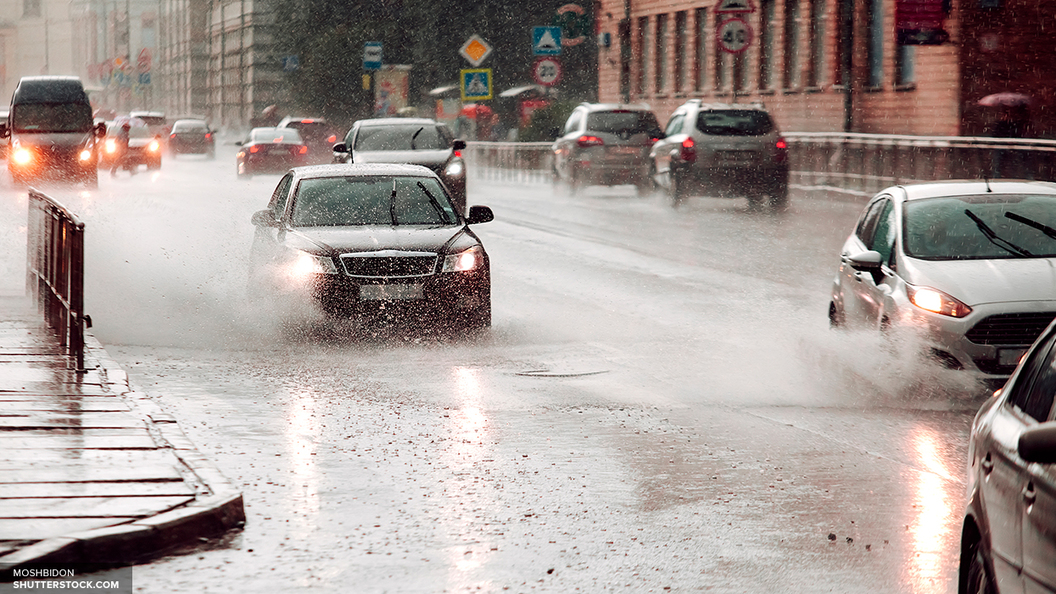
(856, 164)
(55, 271)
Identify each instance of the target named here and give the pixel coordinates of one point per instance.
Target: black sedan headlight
(455, 168)
(464, 261)
(303, 266)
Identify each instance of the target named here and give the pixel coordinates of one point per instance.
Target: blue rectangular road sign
(476, 84)
(546, 41)
(372, 55)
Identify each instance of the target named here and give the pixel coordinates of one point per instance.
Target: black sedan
(270, 150)
(1008, 541)
(192, 137)
(355, 240)
(417, 141)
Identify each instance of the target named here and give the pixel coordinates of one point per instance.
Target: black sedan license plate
(390, 292)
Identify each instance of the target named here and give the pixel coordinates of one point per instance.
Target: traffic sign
(475, 49)
(734, 7)
(734, 36)
(546, 41)
(372, 55)
(476, 84)
(547, 71)
(290, 63)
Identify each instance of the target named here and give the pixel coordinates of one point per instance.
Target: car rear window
(943, 228)
(735, 122)
(286, 135)
(401, 138)
(190, 127)
(309, 130)
(623, 121)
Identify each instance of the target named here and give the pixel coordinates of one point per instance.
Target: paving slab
(91, 471)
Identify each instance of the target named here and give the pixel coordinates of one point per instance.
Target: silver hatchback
(968, 265)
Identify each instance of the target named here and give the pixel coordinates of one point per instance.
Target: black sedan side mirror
(480, 214)
(4, 130)
(264, 218)
(459, 145)
(1038, 444)
(340, 148)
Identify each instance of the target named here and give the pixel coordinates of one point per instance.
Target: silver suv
(606, 144)
(722, 149)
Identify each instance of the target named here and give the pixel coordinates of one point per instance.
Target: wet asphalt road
(659, 406)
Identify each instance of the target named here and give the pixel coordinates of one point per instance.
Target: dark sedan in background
(317, 134)
(192, 137)
(359, 240)
(270, 150)
(416, 141)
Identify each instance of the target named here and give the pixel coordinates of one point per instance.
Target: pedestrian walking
(120, 148)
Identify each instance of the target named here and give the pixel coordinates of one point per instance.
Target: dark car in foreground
(606, 144)
(725, 150)
(357, 240)
(1008, 539)
(417, 141)
(969, 267)
(192, 137)
(270, 150)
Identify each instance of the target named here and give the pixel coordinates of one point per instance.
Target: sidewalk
(91, 472)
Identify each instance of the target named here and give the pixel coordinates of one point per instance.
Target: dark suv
(606, 144)
(728, 149)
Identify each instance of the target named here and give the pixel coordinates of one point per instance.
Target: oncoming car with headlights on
(359, 240)
(969, 266)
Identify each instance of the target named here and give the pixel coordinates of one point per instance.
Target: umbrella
(1005, 100)
(472, 110)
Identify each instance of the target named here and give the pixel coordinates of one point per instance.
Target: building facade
(831, 65)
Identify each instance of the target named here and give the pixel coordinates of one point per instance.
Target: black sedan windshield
(356, 201)
(400, 138)
(981, 227)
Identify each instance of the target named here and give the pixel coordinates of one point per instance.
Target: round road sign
(734, 36)
(547, 71)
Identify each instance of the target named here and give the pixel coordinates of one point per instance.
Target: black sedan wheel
(977, 579)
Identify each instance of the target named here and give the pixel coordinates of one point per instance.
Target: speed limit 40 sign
(547, 71)
(734, 35)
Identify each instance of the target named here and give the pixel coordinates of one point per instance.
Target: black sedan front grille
(389, 265)
(1010, 329)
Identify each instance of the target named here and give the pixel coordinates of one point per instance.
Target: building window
(661, 53)
(817, 42)
(905, 63)
(30, 8)
(723, 70)
(844, 28)
(680, 51)
(700, 50)
(741, 74)
(875, 44)
(766, 44)
(791, 44)
(643, 55)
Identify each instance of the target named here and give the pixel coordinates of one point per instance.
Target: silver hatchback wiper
(1000, 242)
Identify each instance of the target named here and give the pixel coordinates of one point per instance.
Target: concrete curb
(216, 508)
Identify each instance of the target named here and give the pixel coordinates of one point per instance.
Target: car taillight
(332, 138)
(172, 136)
(687, 151)
(782, 150)
(458, 154)
(254, 149)
(589, 141)
(653, 141)
(303, 150)
(208, 135)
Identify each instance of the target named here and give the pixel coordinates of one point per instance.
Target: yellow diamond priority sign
(475, 49)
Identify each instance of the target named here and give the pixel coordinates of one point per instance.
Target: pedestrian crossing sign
(546, 41)
(476, 84)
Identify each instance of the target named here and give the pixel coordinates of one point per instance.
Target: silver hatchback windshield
(987, 226)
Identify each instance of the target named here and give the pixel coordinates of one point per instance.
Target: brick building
(798, 56)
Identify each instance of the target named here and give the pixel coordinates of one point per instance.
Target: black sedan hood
(343, 240)
(432, 159)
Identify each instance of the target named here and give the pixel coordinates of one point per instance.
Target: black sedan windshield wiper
(1004, 244)
(1047, 230)
(436, 204)
(392, 204)
(415, 137)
